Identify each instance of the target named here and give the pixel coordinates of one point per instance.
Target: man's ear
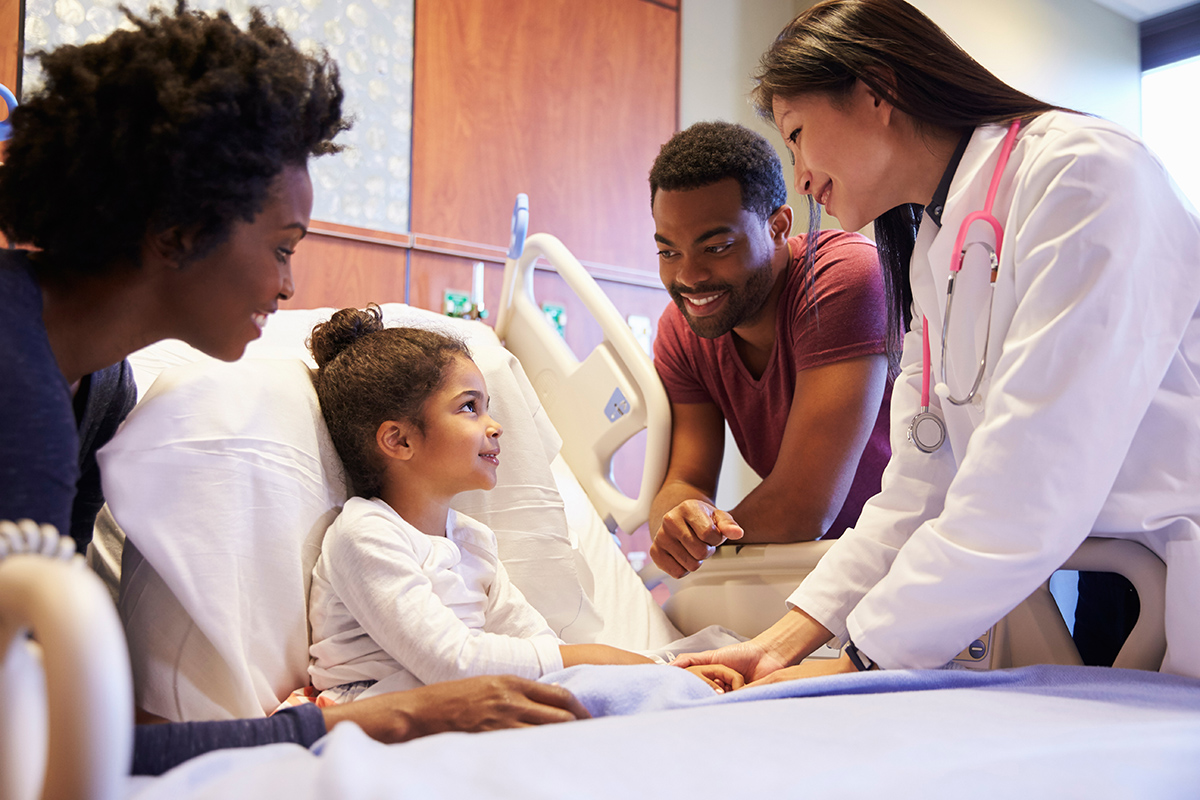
(780, 224)
(395, 439)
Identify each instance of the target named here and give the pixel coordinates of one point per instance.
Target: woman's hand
(809, 669)
(749, 659)
(721, 678)
(783, 644)
(484, 703)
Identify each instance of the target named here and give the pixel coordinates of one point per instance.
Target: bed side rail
(78, 645)
(596, 404)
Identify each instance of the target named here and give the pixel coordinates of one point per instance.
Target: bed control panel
(978, 654)
(617, 406)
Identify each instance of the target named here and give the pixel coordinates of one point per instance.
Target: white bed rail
(598, 404)
(87, 689)
(745, 589)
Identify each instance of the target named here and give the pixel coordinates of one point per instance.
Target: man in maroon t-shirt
(789, 350)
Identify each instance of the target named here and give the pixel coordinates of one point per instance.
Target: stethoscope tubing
(925, 419)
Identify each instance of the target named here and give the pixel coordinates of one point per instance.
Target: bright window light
(1171, 121)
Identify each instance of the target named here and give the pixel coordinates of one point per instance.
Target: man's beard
(742, 304)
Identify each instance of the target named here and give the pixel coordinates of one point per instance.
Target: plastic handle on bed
(598, 404)
(87, 681)
(26, 536)
(520, 224)
(11, 101)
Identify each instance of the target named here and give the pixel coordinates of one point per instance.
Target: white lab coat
(1089, 416)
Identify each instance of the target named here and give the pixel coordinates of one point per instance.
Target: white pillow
(224, 480)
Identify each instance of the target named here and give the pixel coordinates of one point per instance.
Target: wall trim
(428, 243)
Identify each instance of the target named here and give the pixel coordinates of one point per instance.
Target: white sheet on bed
(1033, 732)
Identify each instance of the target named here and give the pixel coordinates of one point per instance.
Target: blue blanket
(608, 691)
(660, 732)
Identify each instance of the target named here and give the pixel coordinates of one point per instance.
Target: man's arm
(684, 522)
(833, 412)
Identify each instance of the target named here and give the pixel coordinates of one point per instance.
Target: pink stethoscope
(927, 431)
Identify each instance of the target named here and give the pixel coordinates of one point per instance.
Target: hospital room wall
(10, 60)
(1073, 53)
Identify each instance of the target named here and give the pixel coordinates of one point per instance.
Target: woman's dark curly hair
(184, 121)
(369, 374)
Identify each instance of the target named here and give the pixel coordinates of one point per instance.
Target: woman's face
(219, 303)
(841, 152)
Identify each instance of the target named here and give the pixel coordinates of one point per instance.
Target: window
(1170, 115)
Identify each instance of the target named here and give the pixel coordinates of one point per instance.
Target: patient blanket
(660, 732)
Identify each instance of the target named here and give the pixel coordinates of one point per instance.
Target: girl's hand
(720, 677)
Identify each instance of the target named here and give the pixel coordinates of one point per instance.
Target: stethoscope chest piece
(927, 432)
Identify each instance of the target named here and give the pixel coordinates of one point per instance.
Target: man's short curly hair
(183, 121)
(708, 152)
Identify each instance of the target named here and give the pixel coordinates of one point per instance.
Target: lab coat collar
(938, 204)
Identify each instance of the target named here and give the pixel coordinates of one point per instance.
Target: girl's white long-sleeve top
(1088, 417)
(389, 602)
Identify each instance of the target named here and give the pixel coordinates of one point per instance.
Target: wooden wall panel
(11, 12)
(566, 101)
(331, 270)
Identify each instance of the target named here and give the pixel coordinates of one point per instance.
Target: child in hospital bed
(406, 591)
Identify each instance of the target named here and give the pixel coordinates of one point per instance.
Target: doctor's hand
(753, 661)
(485, 703)
(690, 533)
(813, 668)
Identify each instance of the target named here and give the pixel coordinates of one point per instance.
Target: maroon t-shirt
(850, 320)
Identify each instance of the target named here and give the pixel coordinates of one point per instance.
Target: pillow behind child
(224, 480)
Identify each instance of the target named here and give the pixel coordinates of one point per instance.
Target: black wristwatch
(858, 658)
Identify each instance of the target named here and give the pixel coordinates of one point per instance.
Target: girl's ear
(395, 439)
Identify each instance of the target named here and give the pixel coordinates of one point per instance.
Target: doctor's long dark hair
(909, 61)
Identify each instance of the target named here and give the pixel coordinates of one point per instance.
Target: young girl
(407, 591)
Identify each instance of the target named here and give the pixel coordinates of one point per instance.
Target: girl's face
(460, 449)
(219, 303)
(841, 152)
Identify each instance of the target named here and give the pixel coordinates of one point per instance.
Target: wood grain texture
(338, 272)
(566, 101)
(10, 43)
(10, 57)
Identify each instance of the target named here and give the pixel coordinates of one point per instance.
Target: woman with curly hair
(160, 185)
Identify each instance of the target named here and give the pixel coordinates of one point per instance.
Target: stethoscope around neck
(927, 431)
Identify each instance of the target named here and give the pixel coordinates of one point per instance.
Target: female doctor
(1062, 400)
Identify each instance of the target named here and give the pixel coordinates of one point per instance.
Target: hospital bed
(233, 461)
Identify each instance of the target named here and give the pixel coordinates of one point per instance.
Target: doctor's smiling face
(842, 152)
(718, 260)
